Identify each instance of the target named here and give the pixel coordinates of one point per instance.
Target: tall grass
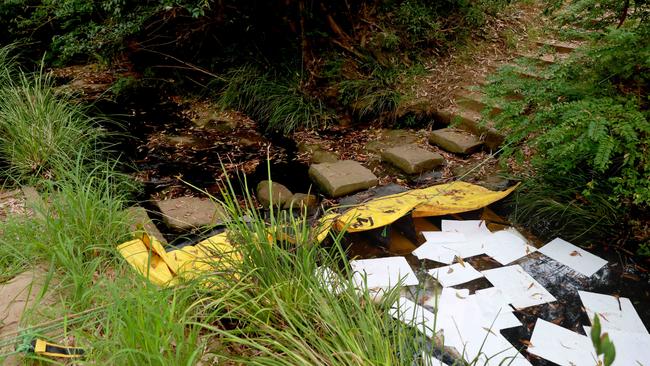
(278, 104)
(76, 226)
(275, 310)
(37, 126)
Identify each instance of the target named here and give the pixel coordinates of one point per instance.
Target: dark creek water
(168, 150)
(173, 147)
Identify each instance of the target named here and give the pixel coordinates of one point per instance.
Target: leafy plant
(601, 343)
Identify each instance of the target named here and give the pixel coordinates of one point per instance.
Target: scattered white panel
(436, 252)
(495, 309)
(572, 256)
(383, 273)
(443, 237)
(466, 328)
(468, 331)
(505, 247)
(446, 252)
(614, 313)
(329, 280)
(631, 348)
(560, 345)
(413, 315)
(518, 287)
(474, 245)
(490, 348)
(455, 274)
(428, 360)
(471, 227)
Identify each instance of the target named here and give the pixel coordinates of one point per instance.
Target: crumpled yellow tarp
(148, 256)
(443, 199)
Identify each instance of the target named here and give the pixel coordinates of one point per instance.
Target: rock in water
(269, 191)
(301, 200)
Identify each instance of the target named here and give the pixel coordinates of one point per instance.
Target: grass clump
(280, 105)
(275, 310)
(39, 126)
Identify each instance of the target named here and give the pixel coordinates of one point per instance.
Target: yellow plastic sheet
(443, 199)
(148, 256)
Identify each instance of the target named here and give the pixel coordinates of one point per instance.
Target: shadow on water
(169, 153)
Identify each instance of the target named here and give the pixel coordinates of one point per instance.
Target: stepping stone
(390, 138)
(412, 159)
(559, 46)
(455, 141)
(278, 194)
(138, 218)
(342, 177)
(322, 156)
(186, 213)
(470, 121)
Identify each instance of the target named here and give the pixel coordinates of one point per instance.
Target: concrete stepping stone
(559, 46)
(455, 141)
(470, 121)
(390, 138)
(269, 191)
(412, 159)
(186, 213)
(342, 177)
(139, 220)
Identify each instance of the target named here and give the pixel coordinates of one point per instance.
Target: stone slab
(269, 191)
(455, 141)
(412, 159)
(186, 213)
(390, 138)
(139, 220)
(342, 177)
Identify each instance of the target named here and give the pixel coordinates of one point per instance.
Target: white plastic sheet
(631, 348)
(615, 313)
(383, 273)
(506, 246)
(560, 345)
(455, 274)
(573, 257)
(518, 287)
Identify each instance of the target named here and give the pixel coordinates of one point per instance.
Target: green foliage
(83, 28)
(598, 14)
(586, 120)
(420, 21)
(601, 343)
(277, 103)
